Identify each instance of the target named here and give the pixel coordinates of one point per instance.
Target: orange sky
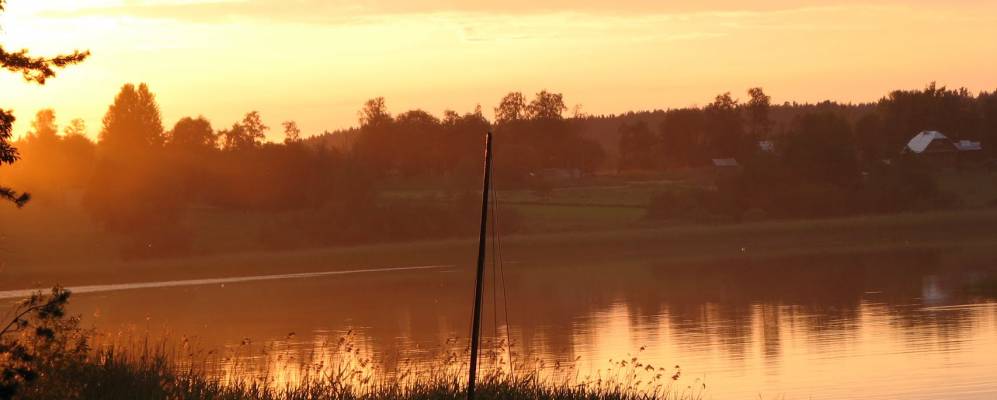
(316, 61)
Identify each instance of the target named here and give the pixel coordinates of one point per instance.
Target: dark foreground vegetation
(45, 355)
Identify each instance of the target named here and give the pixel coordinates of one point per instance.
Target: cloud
(338, 11)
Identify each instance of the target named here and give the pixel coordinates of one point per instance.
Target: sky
(317, 61)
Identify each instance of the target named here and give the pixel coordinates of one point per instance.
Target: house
(968, 145)
(725, 167)
(725, 163)
(930, 142)
(933, 147)
(970, 154)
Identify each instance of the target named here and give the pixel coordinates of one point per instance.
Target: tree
(76, 127)
(37, 333)
(546, 106)
(683, 138)
(374, 112)
(511, 108)
(375, 145)
(192, 134)
(132, 123)
(904, 113)
(418, 137)
(758, 107)
(463, 138)
(988, 112)
(292, 134)
(821, 148)
(134, 192)
(247, 134)
(870, 140)
(43, 128)
(41, 148)
(637, 146)
(724, 131)
(79, 154)
(32, 69)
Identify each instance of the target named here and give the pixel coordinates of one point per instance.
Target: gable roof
(920, 142)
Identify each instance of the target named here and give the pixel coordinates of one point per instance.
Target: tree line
(730, 128)
(826, 159)
(140, 179)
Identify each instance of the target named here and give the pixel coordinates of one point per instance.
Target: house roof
(724, 162)
(920, 142)
(968, 145)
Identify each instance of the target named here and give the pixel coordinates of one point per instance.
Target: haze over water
(874, 325)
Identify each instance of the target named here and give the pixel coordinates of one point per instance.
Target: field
(87, 257)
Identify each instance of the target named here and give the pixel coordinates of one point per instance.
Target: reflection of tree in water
(729, 302)
(557, 311)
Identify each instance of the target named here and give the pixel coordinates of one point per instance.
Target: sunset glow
(317, 61)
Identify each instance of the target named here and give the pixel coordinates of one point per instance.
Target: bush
(904, 186)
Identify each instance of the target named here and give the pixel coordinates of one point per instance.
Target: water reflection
(870, 325)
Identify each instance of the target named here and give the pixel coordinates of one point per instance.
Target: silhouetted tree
(192, 134)
(821, 148)
(904, 113)
(759, 123)
(872, 146)
(462, 141)
(375, 145)
(988, 115)
(54, 165)
(417, 143)
(511, 108)
(41, 147)
(79, 155)
(374, 112)
(133, 193)
(76, 127)
(247, 134)
(637, 146)
(724, 130)
(44, 128)
(33, 69)
(292, 134)
(30, 338)
(132, 123)
(546, 106)
(683, 138)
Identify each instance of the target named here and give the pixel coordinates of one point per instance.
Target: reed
(143, 370)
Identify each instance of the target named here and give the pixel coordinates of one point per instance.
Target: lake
(903, 322)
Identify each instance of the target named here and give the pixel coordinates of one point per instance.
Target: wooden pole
(479, 277)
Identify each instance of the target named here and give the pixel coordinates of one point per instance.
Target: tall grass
(141, 370)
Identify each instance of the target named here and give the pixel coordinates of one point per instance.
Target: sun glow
(316, 63)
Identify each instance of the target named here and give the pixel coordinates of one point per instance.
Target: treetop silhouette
(33, 69)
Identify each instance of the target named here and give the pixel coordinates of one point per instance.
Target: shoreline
(966, 228)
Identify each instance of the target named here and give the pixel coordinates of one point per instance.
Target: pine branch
(38, 69)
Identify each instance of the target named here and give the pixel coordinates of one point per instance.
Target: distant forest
(140, 177)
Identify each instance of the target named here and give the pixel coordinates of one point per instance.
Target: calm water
(877, 325)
